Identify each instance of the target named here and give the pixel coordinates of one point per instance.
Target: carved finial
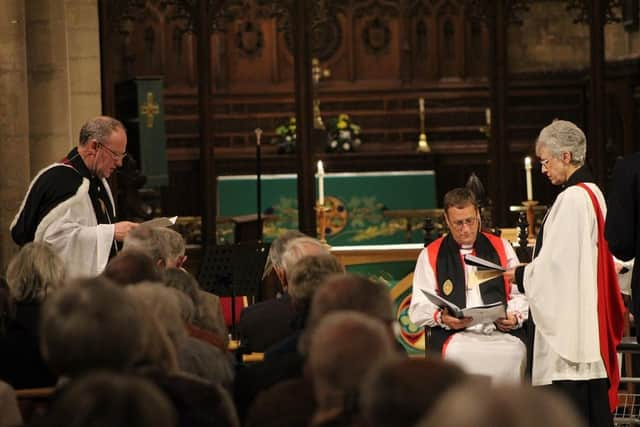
(475, 185)
(523, 230)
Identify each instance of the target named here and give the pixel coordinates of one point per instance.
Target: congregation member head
(174, 247)
(110, 399)
(149, 241)
(306, 276)
(165, 246)
(296, 249)
(400, 391)
(90, 324)
(276, 250)
(132, 266)
(344, 348)
(349, 292)
(475, 405)
(172, 310)
(34, 272)
(207, 313)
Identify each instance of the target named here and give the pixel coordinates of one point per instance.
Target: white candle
(320, 183)
(421, 103)
(487, 116)
(527, 168)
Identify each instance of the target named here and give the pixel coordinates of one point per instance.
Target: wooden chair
(34, 402)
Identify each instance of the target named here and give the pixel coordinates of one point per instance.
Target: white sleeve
(71, 229)
(423, 312)
(517, 303)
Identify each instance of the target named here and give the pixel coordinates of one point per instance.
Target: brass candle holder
(321, 220)
(531, 218)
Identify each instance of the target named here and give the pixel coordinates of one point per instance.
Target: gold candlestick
(531, 218)
(423, 145)
(321, 219)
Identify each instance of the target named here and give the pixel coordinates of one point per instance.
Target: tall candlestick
(527, 168)
(320, 183)
(487, 116)
(421, 104)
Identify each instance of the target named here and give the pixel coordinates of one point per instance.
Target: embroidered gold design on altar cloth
(447, 287)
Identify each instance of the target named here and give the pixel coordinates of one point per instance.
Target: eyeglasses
(462, 222)
(115, 155)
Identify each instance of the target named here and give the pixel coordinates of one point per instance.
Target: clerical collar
(582, 174)
(75, 160)
(467, 247)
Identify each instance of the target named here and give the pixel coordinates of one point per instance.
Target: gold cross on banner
(150, 109)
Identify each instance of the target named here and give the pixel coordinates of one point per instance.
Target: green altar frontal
(357, 203)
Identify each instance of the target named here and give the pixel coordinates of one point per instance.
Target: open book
(162, 221)
(482, 263)
(480, 314)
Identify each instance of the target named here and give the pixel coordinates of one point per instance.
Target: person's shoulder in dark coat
(263, 324)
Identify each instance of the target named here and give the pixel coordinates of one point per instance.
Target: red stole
(610, 307)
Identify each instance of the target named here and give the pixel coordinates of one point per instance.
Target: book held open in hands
(488, 313)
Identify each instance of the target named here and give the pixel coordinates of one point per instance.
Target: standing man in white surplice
(496, 348)
(572, 285)
(69, 204)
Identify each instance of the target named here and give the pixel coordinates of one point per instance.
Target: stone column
(83, 56)
(64, 74)
(14, 120)
(50, 85)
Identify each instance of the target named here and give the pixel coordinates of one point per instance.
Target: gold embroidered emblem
(447, 287)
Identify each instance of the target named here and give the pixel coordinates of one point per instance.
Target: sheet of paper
(482, 263)
(485, 313)
(160, 222)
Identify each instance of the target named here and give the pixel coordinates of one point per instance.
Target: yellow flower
(343, 117)
(342, 124)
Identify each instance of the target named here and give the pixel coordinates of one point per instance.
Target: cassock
(480, 349)
(69, 208)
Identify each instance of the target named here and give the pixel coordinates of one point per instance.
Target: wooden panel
(379, 89)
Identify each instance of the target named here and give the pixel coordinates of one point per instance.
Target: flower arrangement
(286, 136)
(344, 135)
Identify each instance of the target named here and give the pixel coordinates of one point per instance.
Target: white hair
(562, 136)
(298, 248)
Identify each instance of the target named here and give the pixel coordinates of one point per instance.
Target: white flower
(287, 138)
(334, 144)
(346, 146)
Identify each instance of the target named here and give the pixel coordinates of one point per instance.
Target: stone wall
(549, 40)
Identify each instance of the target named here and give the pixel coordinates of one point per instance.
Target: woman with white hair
(33, 274)
(571, 285)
